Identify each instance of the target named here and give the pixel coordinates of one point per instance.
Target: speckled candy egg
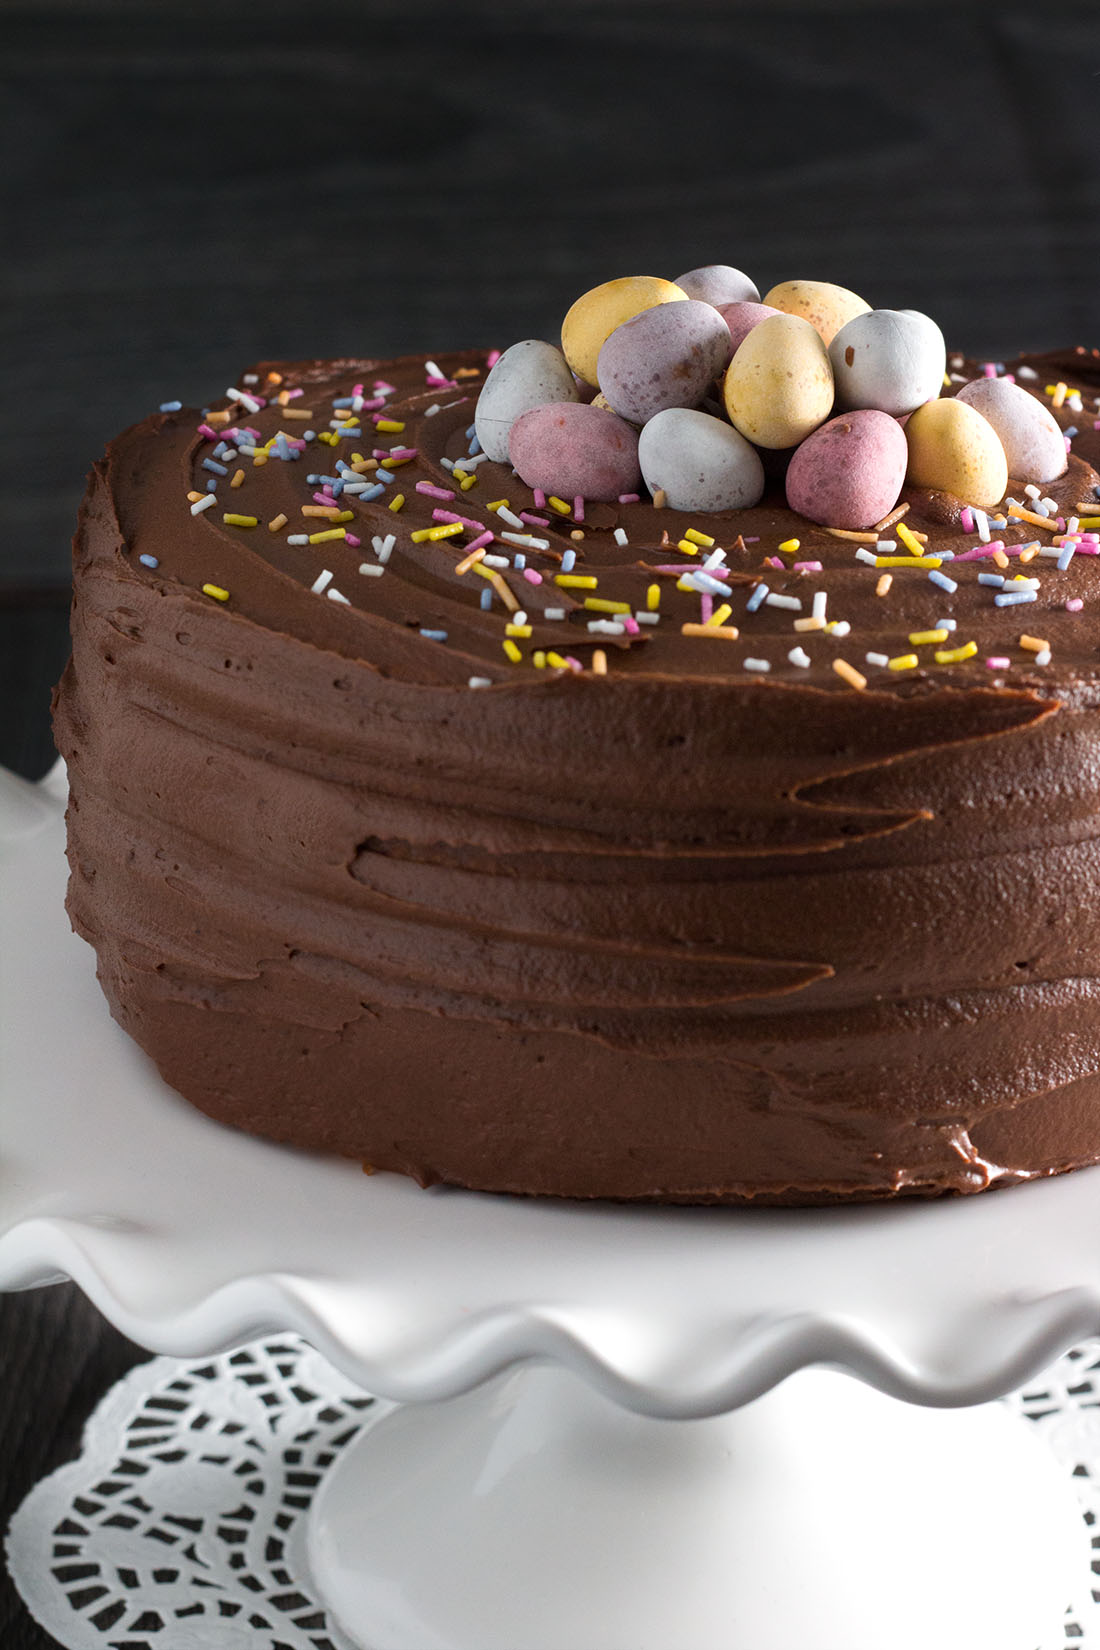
(892, 359)
(718, 284)
(779, 385)
(849, 472)
(572, 449)
(699, 462)
(1034, 445)
(597, 313)
(527, 375)
(742, 317)
(825, 306)
(665, 357)
(953, 449)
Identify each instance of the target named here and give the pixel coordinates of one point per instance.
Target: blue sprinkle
(171, 406)
(474, 447)
(996, 579)
(486, 599)
(371, 492)
(344, 467)
(351, 435)
(212, 486)
(282, 448)
(433, 635)
(337, 488)
(946, 555)
(471, 432)
(309, 435)
(568, 561)
(383, 476)
(942, 580)
(758, 597)
(519, 561)
(344, 401)
(151, 561)
(1014, 598)
(218, 469)
(1070, 431)
(1066, 557)
(221, 449)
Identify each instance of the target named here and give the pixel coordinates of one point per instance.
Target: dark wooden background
(187, 188)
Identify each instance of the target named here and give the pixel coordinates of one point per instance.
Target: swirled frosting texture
(684, 930)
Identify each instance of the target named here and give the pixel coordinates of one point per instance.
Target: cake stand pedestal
(594, 1443)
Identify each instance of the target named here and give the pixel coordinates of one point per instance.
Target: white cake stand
(571, 1466)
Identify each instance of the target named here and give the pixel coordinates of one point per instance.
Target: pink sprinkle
(966, 520)
(433, 491)
(771, 561)
(1068, 443)
(1060, 523)
(989, 369)
(326, 498)
(350, 538)
(492, 358)
(211, 435)
(631, 626)
(479, 543)
(574, 664)
(1074, 605)
(293, 395)
(998, 662)
(357, 389)
(807, 566)
(1010, 377)
(380, 387)
(707, 604)
(540, 498)
(449, 515)
(754, 538)
(578, 508)
(435, 383)
(531, 576)
(535, 521)
(629, 498)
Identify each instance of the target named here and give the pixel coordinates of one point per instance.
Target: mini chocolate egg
(718, 284)
(1034, 445)
(598, 312)
(779, 385)
(700, 462)
(742, 317)
(849, 472)
(953, 449)
(572, 449)
(891, 359)
(527, 375)
(668, 356)
(825, 306)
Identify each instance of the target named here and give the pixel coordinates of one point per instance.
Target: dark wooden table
(188, 189)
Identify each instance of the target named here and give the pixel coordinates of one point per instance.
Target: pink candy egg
(718, 284)
(569, 448)
(849, 472)
(668, 356)
(741, 317)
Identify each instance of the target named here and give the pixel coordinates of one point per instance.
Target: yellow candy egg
(825, 306)
(779, 385)
(596, 314)
(953, 449)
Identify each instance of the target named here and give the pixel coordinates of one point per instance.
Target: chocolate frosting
(682, 930)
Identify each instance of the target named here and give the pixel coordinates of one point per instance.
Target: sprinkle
(297, 538)
(888, 521)
(512, 651)
(755, 664)
(660, 498)
(1065, 557)
(321, 582)
(468, 561)
(839, 627)
(884, 584)
(248, 402)
(1058, 394)
(218, 469)
(820, 603)
(690, 549)
(1013, 598)
(904, 661)
(480, 682)
(233, 520)
(908, 561)
(486, 599)
(877, 658)
(811, 623)
(720, 614)
(920, 637)
(216, 591)
(599, 604)
(981, 521)
(1031, 518)
(171, 406)
(204, 503)
(844, 533)
(793, 603)
(693, 534)
(1034, 644)
(509, 516)
(328, 534)
(798, 656)
(1074, 605)
(866, 556)
(955, 655)
(576, 581)
(807, 567)
(503, 592)
(942, 580)
(516, 630)
(653, 597)
(727, 632)
(390, 426)
(789, 546)
(850, 674)
(150, 561)
(757, 598)
(911, 543)
(397, 503)
(553, 613)
(371, 569)
(559, 505)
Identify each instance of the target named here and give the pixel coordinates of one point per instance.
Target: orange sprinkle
(1034, 644)
(850, 674)
(237, 478)
(727, 632)
(884, 584)
(276, 522)
(599, 662)
(467, 562)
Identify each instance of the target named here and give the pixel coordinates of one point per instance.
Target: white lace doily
(181, 1525)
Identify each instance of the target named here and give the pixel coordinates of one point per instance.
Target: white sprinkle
(387, 549)
(297, 538)
(756, 664)
(840, 628)
(1073, 525)
(480, 681)
(981, 522)
(354, 488)
(504, 514)
(518, 617)
(877, 658)
(945, 624)
(715, 559)
(620, 537)
(1031, 491)
(606, 627)
(821, 598)
(430, 412)
(447, 463)
(1073, 402)
(798, 656)
(1043, 656)
(884, 546)
(371, 569)
(496, 561)
(433, 371)
(1049, 505)
(335, 596)
(321, 582)
(793, 603)
(644, 616)
(553, 613)
(1026, 372)
(471, 461)
(250, 378)
(867, 556)
(526, 541)
(248, 402)
(204, 504)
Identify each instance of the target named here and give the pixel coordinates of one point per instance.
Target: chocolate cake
(385, 850)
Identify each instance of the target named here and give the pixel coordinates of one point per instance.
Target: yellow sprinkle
(908, 538)
(237, 478)
(391, 463)
(1060, 392)
(512, 651)
(328, 438)
(467, 562)
(599, 662)
(682, 584)
(955, 655)
(687, 547)
(259, 460)
(276, 522)
(908, 561)
(517, 630)
(468, 482)
(397, 503)
(446, 530)
(653, 597)
(599, 604)
(809, 623)
(497, 504)
(390, 426)
(720, 614)
(232, 520)
(557, 661)
(462, 475)
(884, 584)
(576, 581)
(789, 546)
(696, 537)
(1020, 514)
(1088, 522)
(727, 632)
(216, 591)
(904, 661)
(919, 637)
(1034, 644)
(849, 673)
(560, 506)
(329, 533)
(539, 660)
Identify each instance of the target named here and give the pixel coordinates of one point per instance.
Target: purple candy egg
(569, 448)
(742, 317)
(668, 356)
(849, 473)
